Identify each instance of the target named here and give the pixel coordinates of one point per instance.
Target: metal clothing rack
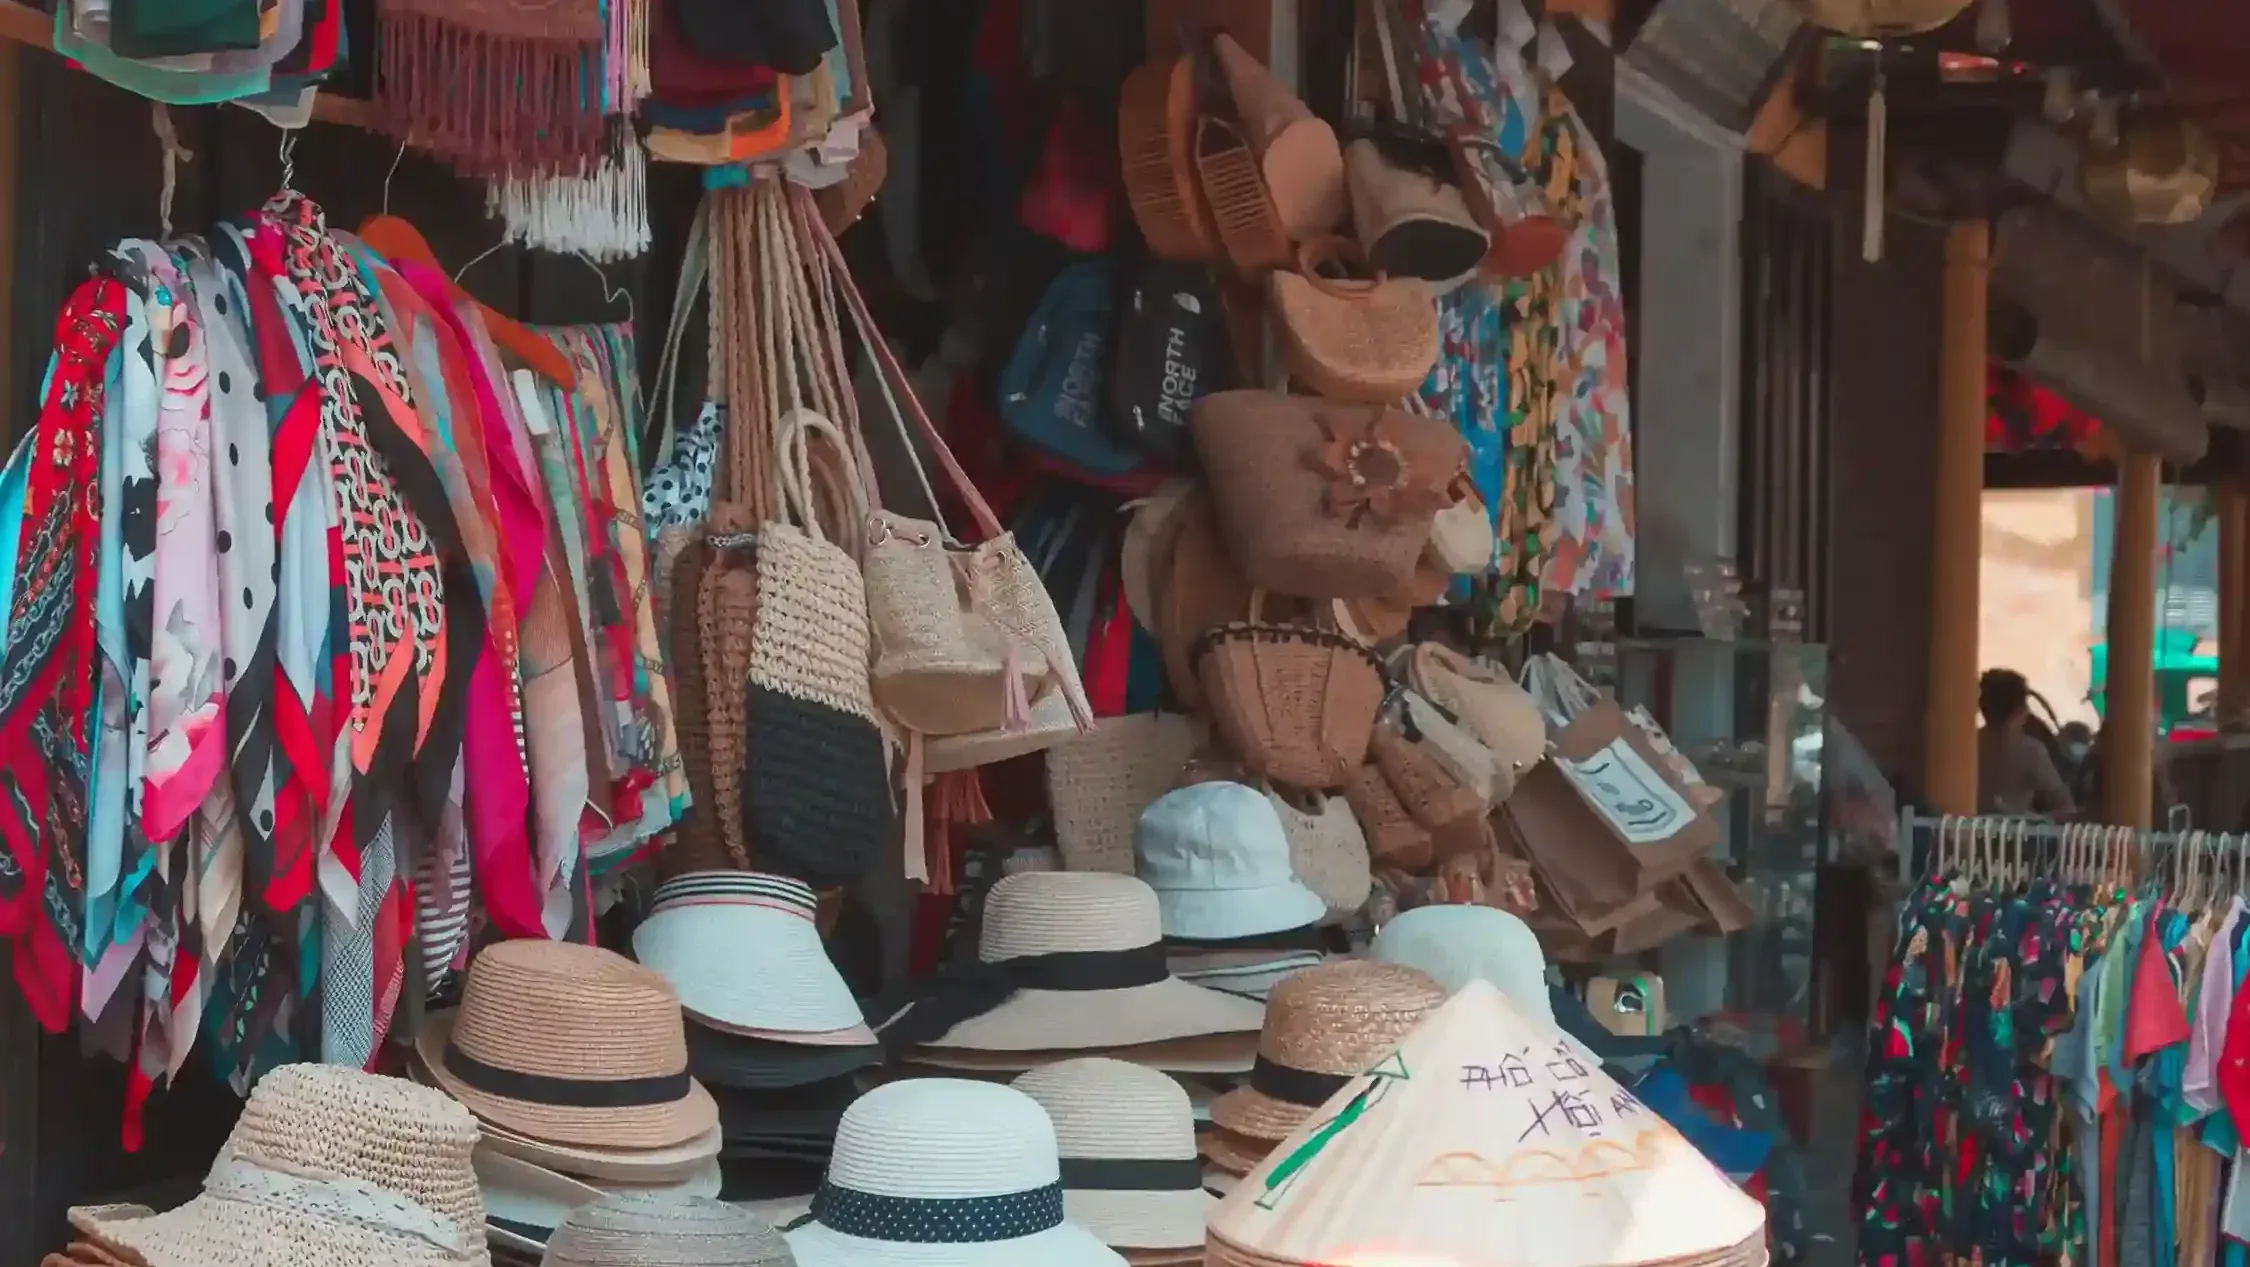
(2034, 846)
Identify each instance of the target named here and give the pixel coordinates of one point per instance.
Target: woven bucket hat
(941, 1172)
(704, 926)
(570, 1044)
(1218, 858)
(1076, 962)
(1130, 1172)
(326, 1165)
(665, 1231)
(1324, 1027)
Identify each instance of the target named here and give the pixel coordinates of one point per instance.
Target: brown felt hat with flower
(1325, 500)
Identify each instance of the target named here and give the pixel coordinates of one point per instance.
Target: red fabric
(2234, 1064)
(2155, 1020)
(1072, 198)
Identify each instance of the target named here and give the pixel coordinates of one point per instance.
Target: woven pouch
(1464, 756)
(1395, 842)
(1297, 704)
(1320, 499)
(1249, 224)
(1327, 848)
(1453, 815)
(1099, 782)
(1350, 334)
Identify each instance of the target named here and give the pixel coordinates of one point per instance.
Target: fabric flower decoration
(1371, 470)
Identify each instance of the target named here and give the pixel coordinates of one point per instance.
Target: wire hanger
(397, 240)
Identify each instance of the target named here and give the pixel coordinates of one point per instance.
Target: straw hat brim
(1140, 1220)
(1064, 1245)
(856, 1034)
(1233, 1053)
(1224, 914)
(639, 1127)
(1230, 1154)
(1192, 1257)
(1086, 1020)
(626, 1166)
(210, 1232)
(1252, 1113)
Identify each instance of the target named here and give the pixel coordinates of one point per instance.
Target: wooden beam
(2233, 513)
(2129, 711)
(1949, 714)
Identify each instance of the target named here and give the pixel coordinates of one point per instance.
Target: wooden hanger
(394, 239)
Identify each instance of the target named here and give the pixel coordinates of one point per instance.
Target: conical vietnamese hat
(1483, 1140)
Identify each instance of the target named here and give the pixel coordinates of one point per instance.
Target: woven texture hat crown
(1341, 1017)
(665, 1231)
(1111, 1108)
(944, 1137)
(1042, 912)
(385, 1132)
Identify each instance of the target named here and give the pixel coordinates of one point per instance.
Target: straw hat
(665, 1231)
(1231, 1154)
(525, 1202)
(1224, 1054)
(940, 1172)
(569, 1044)
(1127, 1135)
(1324, 1027)
(326, 1165)
(706, 924)
(1249, 974)
(1219, 861)
(1086, 951)
(675, 1164)
(1481, 1142)
(1460, 944)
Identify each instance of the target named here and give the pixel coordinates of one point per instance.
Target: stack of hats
(1324, 1026)
(644, 1231)
(943, 1171)
(772, 1028)
(1460, 944)
(1483, 1142)
(1235, 915)
(1071, 963)
(575, 1062)
(1129, 1169)
(326, 1165)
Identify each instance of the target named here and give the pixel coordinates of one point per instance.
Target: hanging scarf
(494, 87)
(48, 671)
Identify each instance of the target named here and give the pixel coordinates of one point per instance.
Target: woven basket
(1320, 499)
(1453, 814)
(1098, 784)
(1327, 849)
(699, 844)
(1353, 337)
(1156, 141)
(1249, 224)
(1202, 589)
(1296, 704)
(1395, 842)
(726, 597)
(1464, 756)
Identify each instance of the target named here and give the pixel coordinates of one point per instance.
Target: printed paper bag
(1601, 820)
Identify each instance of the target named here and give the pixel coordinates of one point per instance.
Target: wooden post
(1949, 713)
(2233, 514)
(2129, 713)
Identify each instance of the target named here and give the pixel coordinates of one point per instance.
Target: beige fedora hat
(1077, 958)
(326, 1165)
(1324, 1026)
(1130, 1174)
(665, 1231)
(572, 1045)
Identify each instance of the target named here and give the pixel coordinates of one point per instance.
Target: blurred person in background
(2016, 768)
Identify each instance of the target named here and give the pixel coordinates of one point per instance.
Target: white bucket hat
(1460, 944)
(1078, 959)
(940, 1172)
(326, 1165)
(705, 926)
(1218, 859)
(1129, 1167)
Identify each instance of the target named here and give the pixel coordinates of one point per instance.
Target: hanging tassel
(1878, 139)
(600, 211)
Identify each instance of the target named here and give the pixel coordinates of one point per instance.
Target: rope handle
(889, 370)
(695, 268)
(1332, 249)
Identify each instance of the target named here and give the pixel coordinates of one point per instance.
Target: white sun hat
(705, 927)
(1460, 944)
(1218, 859)
(1129, 1167)
(943, 1172)
(524, 1202)
(1077, 958)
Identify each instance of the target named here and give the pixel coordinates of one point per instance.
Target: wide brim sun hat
(706, 925)
(326, 1165)
(1084, 952)
(1218, 858)
(939, 1172)
(853, 1036)
(1126, 1134)
(720, 1059)
(638, 1230)
(569, 1044)
(602, 1165)
(1324, 1027)
(524, 1202)
(1211, 1054)
(1249, 974)
(1459, 944)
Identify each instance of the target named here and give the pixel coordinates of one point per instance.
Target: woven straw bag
(1327, 848)
(970, 649)
(816, 775)
(1156, 140)
(1325, 500)
(1465, 757)
(1099, 782)
(1296, 704)
(1453, 814)
(1349, 335)
(1395, 842)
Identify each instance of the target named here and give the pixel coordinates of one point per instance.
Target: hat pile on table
(575, 1062)
(1129, 1169)
(1484, 1141)
(1236, 916)
(772, 1028)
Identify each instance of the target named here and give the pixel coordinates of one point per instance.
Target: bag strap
(898, 388)
(695, 268)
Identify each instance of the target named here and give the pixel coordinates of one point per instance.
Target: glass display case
(1751, 715)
